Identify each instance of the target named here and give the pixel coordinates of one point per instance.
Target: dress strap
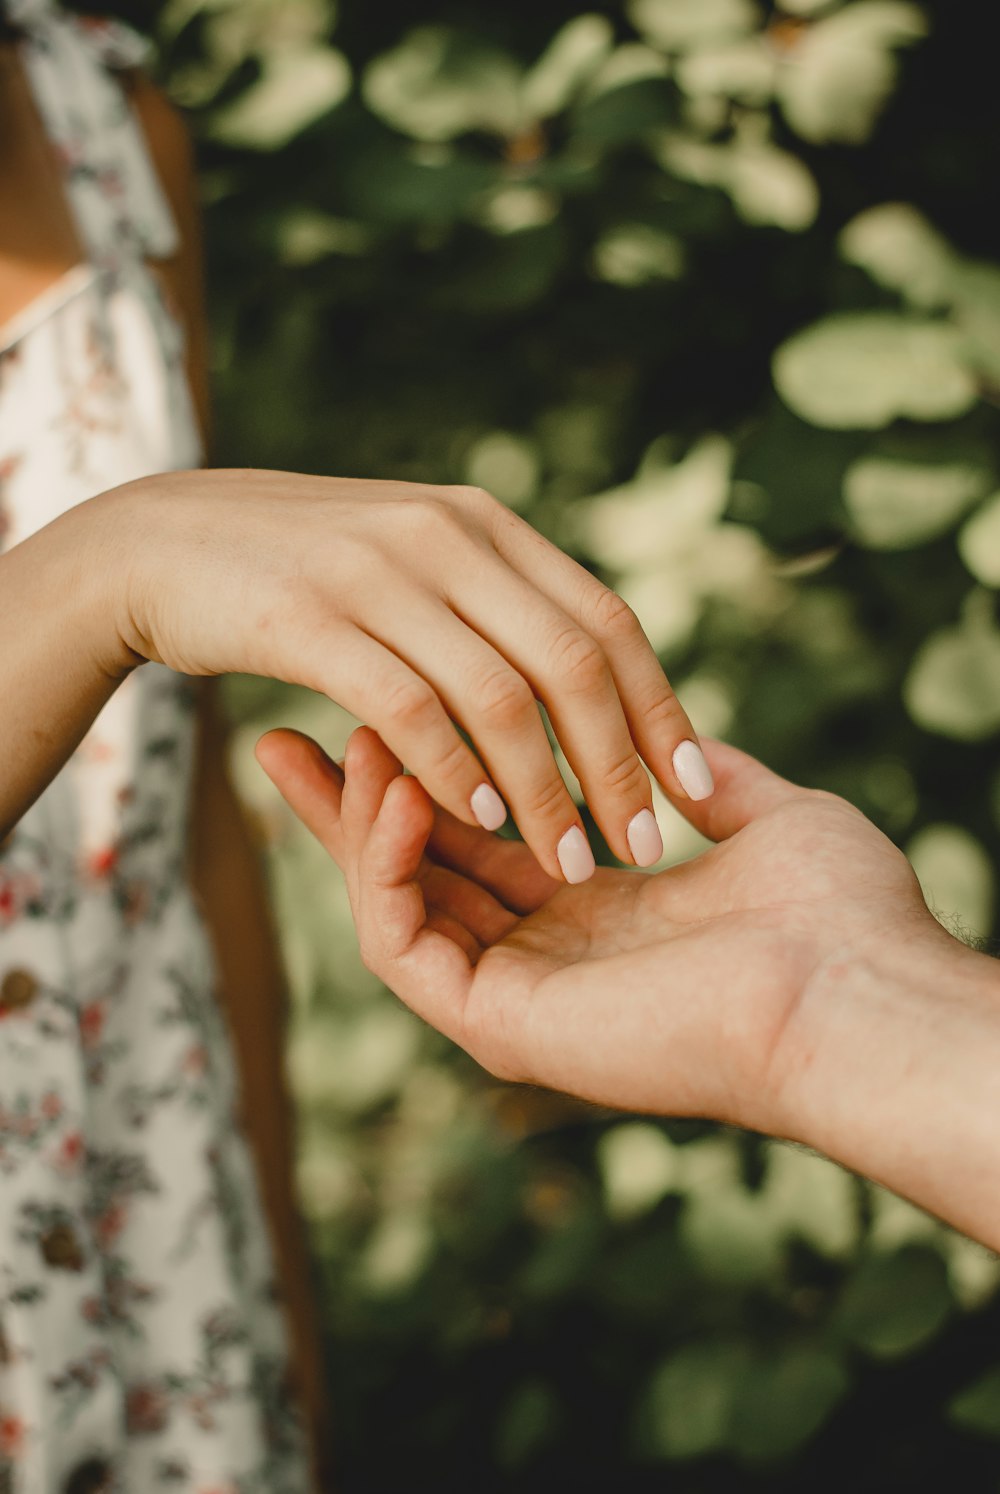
(115, 194)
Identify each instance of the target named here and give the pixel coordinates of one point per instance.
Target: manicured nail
(644, 838)
(693, 772)
(488, 807)
(575, 856)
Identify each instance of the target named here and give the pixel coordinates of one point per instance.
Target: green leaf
(686, 1410)
(569, 61)
(863, 370)
(676, 25)
(526, 1422)
(384, 184)
(977, 1407)
(295, 89)
(843, 69)
(766, 185)
(894, 503)
(726, 1397)
(979, 542)
(439, 83)
(894, 1303)
(955, 874)
(786, 1398)
(953, 686)
(624, 113)
(898, 248)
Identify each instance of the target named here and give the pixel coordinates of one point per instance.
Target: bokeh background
(707, 290)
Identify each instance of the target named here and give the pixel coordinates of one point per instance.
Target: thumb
(744, 790)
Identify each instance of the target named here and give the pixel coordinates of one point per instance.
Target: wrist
(124, 527)
(899, 1076)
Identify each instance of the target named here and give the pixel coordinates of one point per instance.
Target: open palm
(678, 992)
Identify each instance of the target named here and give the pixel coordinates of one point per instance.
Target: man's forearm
(904, 1085)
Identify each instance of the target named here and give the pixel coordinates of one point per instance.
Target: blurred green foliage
(708, 292)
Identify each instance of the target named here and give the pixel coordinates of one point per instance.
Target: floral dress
(141, 1341)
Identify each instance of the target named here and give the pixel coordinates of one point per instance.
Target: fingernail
(488, 807)
(575, 856)
(693, 772)
(644, 838)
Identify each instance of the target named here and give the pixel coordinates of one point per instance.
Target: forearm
(905, 1085)
(61, 654)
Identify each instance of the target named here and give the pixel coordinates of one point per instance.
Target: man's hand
(679, 993)
(790, 979)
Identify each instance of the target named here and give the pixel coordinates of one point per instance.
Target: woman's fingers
(658, 723)
(745, 790)
(312, 786)
(497, 706)
(568, 670)
(368, 679)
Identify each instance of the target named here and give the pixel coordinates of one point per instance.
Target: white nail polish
(488, 807)
(575, 856)
(693, 772)
(644, 838)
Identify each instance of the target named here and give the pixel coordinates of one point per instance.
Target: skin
(790, 979)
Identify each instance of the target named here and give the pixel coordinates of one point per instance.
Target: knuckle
(411, 705)
(452, 762)
(664, 710)
(505, 698)
(612, 617)
(626, 776)
(578, 660)
(429, 513)
(547, 799)
(476, 498)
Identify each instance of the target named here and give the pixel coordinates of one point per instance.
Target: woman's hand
(678, 993)
(417, 608)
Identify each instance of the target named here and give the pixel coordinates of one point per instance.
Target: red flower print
(110, 1224)
(147, 1409)
(102, 862)
(70, 1152)
(195, 1060)
(92, 1023)
(12, 1431)
(52, 1105)
(16, 892)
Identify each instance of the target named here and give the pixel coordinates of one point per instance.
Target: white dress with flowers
(141, 1344)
